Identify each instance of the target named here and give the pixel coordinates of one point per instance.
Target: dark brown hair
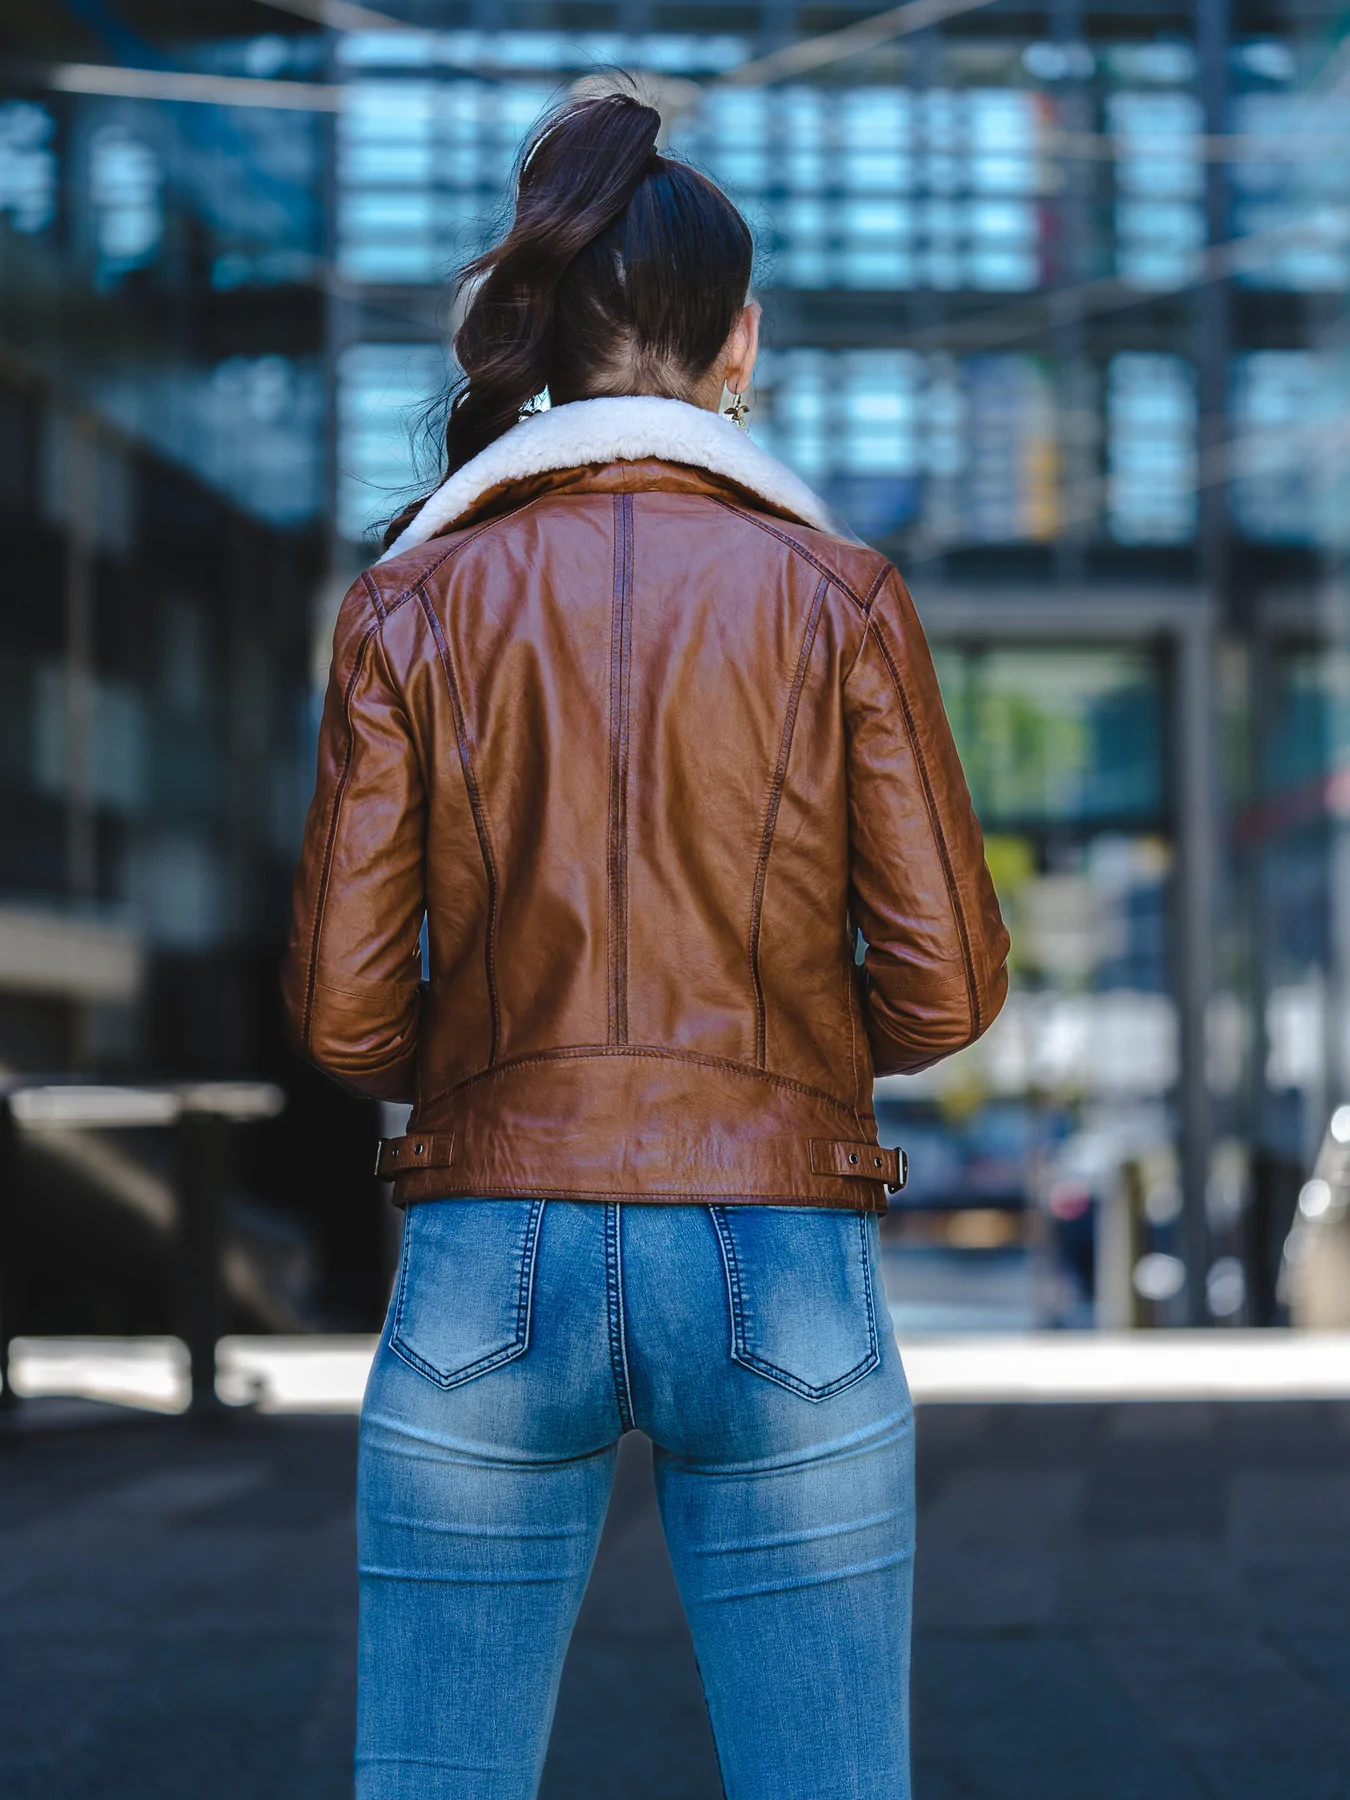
(622, 273)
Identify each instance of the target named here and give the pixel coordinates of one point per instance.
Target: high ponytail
(622, 272)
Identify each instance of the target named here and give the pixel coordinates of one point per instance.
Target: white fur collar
(623, 429)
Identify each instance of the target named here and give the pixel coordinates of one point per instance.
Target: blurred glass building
(1054, 313)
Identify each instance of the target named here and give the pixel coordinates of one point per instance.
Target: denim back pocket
(803, 1308)
(465, 1283)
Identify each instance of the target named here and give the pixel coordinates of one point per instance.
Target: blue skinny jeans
(753, 1345)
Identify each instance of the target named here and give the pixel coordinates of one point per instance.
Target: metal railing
(202, 1115)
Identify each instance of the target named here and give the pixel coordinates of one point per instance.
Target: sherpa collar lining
(631, 428)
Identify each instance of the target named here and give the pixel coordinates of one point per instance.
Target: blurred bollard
(1119, 1245)
(203, 1152)
(1315, 1277)
(1134, 1277)
(11, 1225)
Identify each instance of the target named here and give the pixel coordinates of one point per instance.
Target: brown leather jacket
(647, 751)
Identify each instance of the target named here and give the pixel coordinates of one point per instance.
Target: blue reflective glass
(1151, 422)
(1290, 446)
(28, 168)
(126, 180)
(381, 391)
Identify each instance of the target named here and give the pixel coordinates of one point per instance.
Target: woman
(652, 748)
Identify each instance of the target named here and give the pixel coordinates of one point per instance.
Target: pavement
(1127, 1601)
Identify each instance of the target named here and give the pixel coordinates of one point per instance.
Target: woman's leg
(796, 1577)
(786, 1481)
(481, 1496)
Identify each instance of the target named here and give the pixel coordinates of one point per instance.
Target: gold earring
(738, 412)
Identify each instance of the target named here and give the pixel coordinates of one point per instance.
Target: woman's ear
(742, 349)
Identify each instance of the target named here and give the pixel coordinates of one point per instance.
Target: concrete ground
(1116, 1602)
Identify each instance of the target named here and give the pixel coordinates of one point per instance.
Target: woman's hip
(538, 1329)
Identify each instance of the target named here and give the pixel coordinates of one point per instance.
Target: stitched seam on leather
(417, 743)
(479, 815)
(610, 882)
(771, 815)
(326, 867)
(454, 549)
(503, 1190)
(620, 643)
(625, 748)
(935, 824)
(367, 581)
(582, 1052)
(872, 593)
(366, 993)
(754, 518)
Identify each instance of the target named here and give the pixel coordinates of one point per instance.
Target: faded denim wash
(753, 1345)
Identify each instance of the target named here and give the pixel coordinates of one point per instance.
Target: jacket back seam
(939, 838)
(877, 580)
(771, 815)
(479, 812)
(368, 582)
(754, 518)
(387, 613)
(586, 1052)
(326, 867)
(868, 610)
(413, 587)
(620, 678)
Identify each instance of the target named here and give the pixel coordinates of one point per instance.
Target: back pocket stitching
(760, 1365)
(524, 1309)
(732, 1269)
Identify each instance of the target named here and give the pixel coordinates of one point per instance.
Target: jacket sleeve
(352, 973)
(936, 960)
